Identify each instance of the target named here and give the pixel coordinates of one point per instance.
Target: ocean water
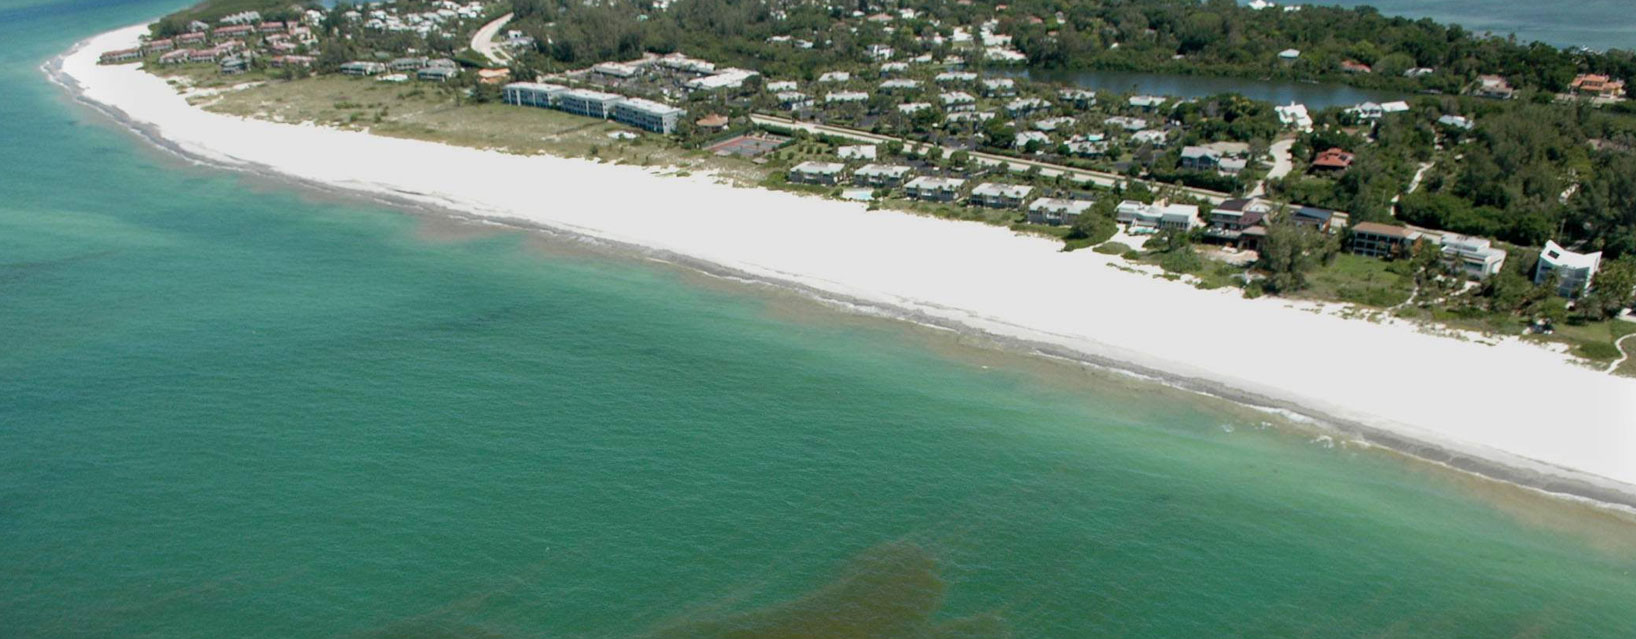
(1598, 24)
(231, 408)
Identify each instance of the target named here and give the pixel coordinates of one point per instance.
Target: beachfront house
(1230, 219)
(995, 195)
(594, 104)
(1574, 271)
(1137, 215)
(1178, 217)
(1056, 211)
(1321, 220)
(534, 94)
(821, 173)
(361, 67)
(881, 175)
(1475, 257)
(934, 189)
(1373, 239)
(647, 115)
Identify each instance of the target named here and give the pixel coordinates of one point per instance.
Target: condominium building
(934, 189)
(1056, 211)
(823, 173)
(534, 94)
(647, 114)
(881, 175)
(1000, 196)
(594, 104)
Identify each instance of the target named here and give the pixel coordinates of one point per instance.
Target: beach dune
(1511, 410)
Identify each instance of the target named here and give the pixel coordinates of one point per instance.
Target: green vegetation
(440, 113)
(1094, 226)
(210, 11)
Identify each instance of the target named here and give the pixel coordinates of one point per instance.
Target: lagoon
(1316, 96)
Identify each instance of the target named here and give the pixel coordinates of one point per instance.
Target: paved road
(1099, 178)
(483, 41)
(1282, 164)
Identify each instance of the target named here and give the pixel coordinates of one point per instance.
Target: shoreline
(892, 271)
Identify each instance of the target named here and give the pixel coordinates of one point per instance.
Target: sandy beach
(1505, 408)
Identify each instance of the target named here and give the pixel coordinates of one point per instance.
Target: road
(483, 41)
(1282, 164)
(1099, 178)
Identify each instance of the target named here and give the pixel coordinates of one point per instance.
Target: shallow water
(231, 408)
(1598, 24)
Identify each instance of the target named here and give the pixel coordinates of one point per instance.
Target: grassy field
(1359, 280)
(439, 113)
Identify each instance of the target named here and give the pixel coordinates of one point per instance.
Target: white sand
(1518, 403)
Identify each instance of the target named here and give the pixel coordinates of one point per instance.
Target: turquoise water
(1598, 24)
(231, 409)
